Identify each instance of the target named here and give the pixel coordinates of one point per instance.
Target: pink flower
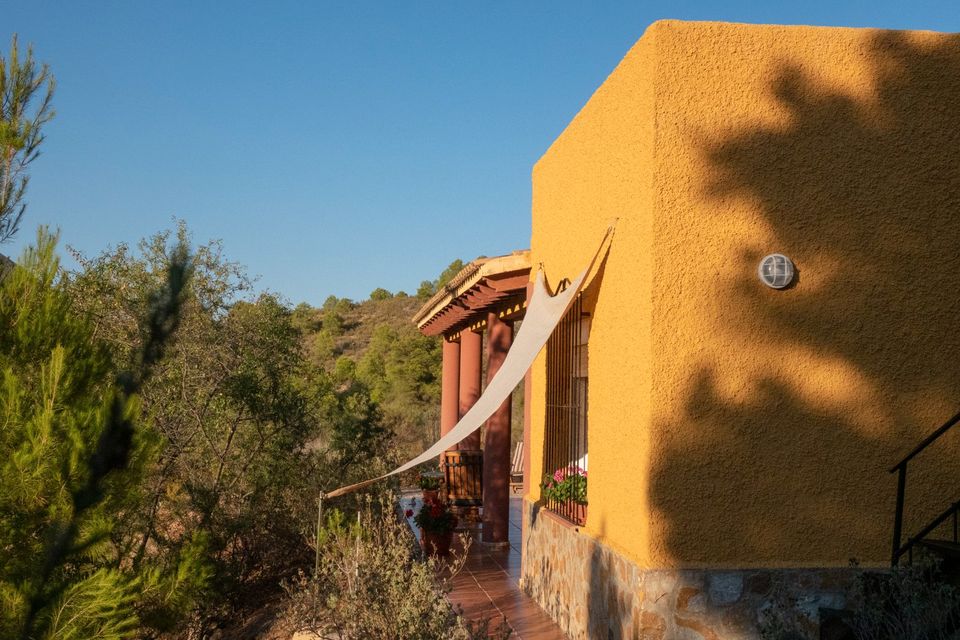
(408, 513)
(564, 472)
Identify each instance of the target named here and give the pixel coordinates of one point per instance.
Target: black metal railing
(565, 438)
(901, 469)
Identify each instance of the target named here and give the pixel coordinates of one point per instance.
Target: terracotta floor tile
(487, 587)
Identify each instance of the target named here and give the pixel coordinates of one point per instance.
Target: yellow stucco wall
(731, 424)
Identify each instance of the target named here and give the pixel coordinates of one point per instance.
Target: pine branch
(22, 84)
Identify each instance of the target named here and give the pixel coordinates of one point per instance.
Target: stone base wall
(594, 593)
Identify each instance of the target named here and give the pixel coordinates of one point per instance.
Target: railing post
(898, 518)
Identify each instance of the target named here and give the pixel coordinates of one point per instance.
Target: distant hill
(360, 320)
(374, 343)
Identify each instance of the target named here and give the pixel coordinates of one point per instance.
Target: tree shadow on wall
(887, 171)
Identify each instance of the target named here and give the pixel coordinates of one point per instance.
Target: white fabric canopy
(543, 314)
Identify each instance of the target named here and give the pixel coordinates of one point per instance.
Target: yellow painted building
(736, 432)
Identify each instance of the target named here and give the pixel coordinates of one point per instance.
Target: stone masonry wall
(594, 593)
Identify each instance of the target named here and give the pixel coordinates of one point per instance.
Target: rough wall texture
(594, 592)
(599, 170)
(731, 425)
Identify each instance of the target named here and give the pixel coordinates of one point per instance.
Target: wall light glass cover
(776, 271)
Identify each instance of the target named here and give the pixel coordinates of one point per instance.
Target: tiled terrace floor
(487, 587)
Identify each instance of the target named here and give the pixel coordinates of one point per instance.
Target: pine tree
(71, 460)
(26, 94)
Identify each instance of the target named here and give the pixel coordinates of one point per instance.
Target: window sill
(559, 519)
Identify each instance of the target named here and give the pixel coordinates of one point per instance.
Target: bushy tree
(352, 420)
(304, 318)
(380, 294)
(250, 431)
(429, 287)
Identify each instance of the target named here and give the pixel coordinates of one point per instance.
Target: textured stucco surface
(601, 169)
(731, 425)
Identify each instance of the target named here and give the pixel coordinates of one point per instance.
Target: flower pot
(431, 496)
(436, 543)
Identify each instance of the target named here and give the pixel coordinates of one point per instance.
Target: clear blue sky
(336, 146)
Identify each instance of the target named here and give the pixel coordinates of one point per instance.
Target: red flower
(408, 512)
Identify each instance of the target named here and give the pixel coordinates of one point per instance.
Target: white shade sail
(543, 314)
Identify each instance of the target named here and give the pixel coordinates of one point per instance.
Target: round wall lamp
(776, 271)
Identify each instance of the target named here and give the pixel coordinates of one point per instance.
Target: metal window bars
(565, 437)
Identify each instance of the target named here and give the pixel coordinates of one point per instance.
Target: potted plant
(567, 485)
(429, 482)
(436, 522)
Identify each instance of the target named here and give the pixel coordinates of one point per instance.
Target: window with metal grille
(565, 438)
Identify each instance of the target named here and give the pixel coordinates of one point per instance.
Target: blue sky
(335, 147)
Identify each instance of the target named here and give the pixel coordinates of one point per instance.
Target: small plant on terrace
(436, 517)
(429, 480)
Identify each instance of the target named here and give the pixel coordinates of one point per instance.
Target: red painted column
(527, 417)
(449, 388)
(496, 441)
(470, 346)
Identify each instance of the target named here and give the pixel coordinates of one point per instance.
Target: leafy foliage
(249, 431)
(222, 408)
(380, 294)
(402, 369)
(174, 503)
(916, 602)
(436, 516)
(430, 481)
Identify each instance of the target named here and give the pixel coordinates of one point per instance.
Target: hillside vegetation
(374, 343)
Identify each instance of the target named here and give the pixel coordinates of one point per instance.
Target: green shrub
(915, 602)
(371, 585)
